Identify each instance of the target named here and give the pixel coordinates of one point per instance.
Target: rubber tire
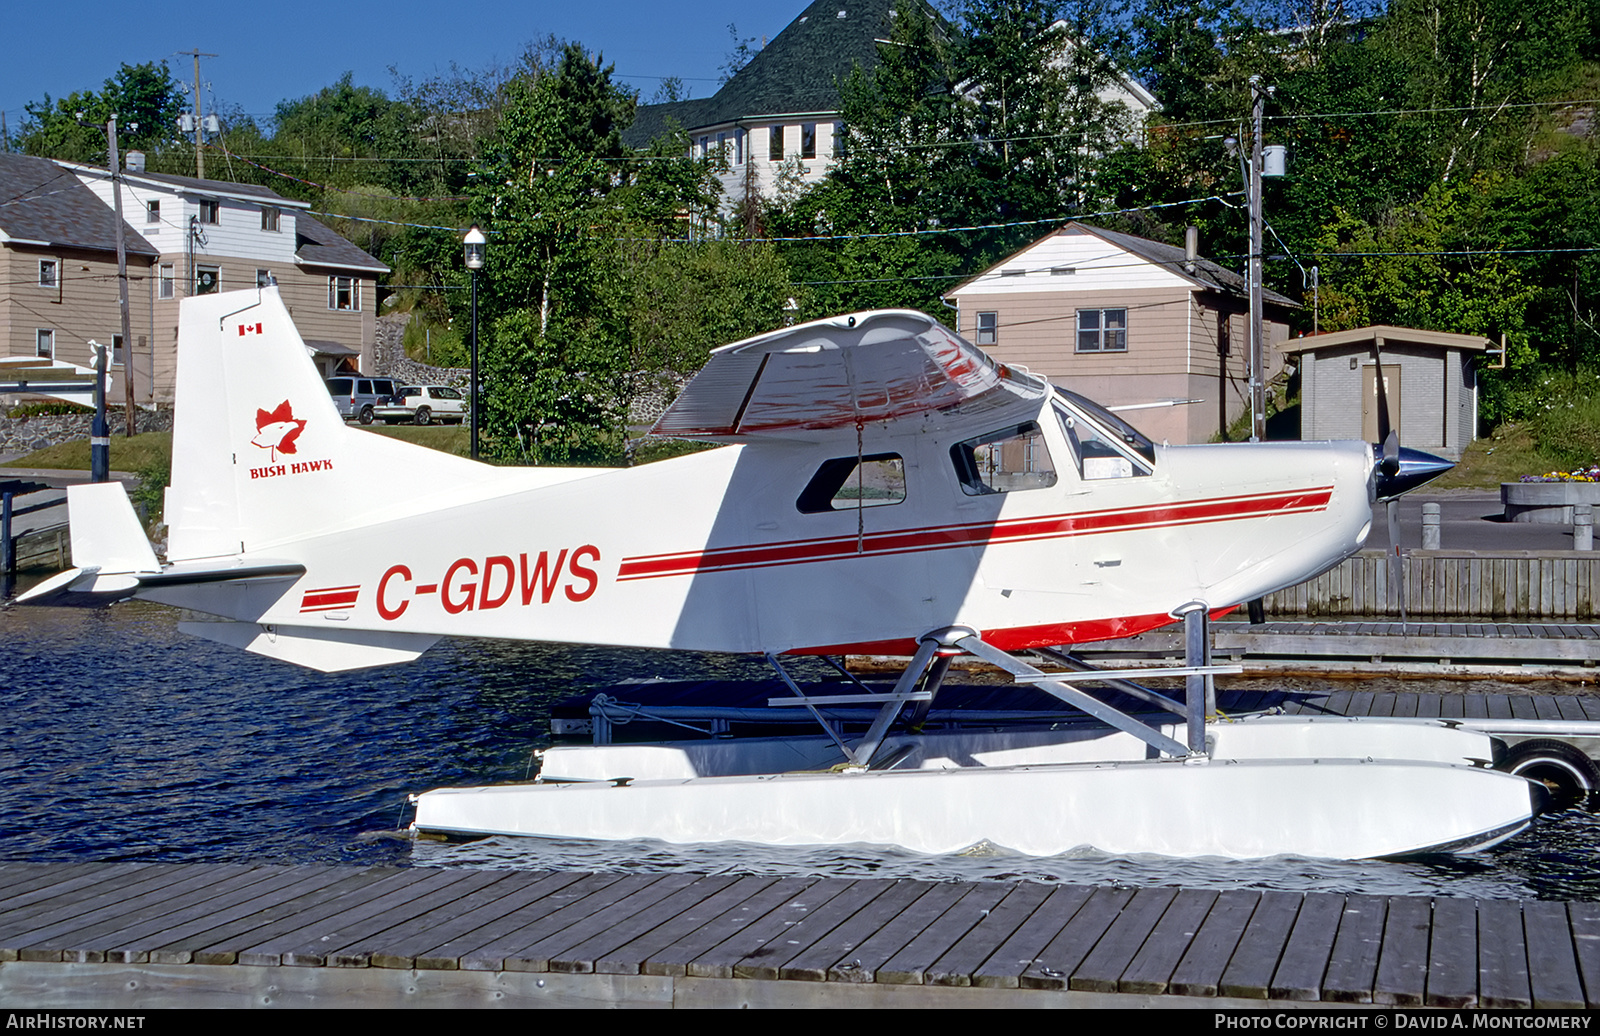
(366, 415)
(424, 415)
(1567, 771)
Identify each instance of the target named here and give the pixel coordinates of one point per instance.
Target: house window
(738, 147)
(263, 278)
(838, 139)
(808, 140)
(343, 293)
(269, 218)
(152, 212)
(49, 272)
(988, 328)
(164, 281)
(705, 146)
(45, 340)
(117, 358)
(207, 279)
(722, 146)
(1102, 330)
(210, 211)
(775, 144)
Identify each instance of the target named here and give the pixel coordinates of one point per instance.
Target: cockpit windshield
(1127, 434)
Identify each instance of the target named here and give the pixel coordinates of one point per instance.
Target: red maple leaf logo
(277, 429)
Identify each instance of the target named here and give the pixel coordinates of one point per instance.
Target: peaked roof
(43, 203)
(798, 71)
(1205, 273)
(317, 244)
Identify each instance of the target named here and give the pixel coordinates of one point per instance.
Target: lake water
(123, 739)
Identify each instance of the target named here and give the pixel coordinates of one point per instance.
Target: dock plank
(958, 964)
(630, 957)
(1199, 972)
(838, 946)
(1453, 954)
(1353, 961)
(1553, 979)
(752, 939)
(1310, 944)
(1153, 965)
(769, 960)
(1402, 976)
(586, 957)
(1004, 969)
(674, 959)
(1502, 956)
(541, 954)
(1255, 960)
(1102, 970)
(896, 933)
(1056, 962)
(911, 964)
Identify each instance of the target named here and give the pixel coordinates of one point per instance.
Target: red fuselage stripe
(1019, 530)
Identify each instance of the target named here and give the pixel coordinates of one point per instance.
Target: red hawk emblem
(277, 429)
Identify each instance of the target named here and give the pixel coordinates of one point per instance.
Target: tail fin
(260, 455)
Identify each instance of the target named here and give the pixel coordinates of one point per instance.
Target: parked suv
(358, 397)
(424, 404)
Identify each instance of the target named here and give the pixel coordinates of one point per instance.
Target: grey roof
(199, 186)
(798, 71)
(1172, 257)
(318, 244)
(42, 201)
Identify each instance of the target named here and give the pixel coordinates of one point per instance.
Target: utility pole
(1258, 401)
(113, 163)
(199, 123)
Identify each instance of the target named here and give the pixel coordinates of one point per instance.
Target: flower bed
(1549, 499)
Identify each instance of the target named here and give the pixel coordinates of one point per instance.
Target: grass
(135, 454)
(446, 438)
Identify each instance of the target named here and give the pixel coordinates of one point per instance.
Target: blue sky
(267, 52)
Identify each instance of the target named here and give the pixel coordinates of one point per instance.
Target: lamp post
(473, 245)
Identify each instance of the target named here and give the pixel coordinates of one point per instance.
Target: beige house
(184, 236)
(1125, 321)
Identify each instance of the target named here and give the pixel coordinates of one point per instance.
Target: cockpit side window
(842, 484)
(1004, 461)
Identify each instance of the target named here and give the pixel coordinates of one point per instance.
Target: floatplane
(884, 487)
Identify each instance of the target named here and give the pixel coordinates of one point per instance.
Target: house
(1125, 321)
(58, 266)
(783, 107)
(184, 236)
(1430, 381)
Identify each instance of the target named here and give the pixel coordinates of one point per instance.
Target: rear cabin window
(1004, 461)
(842, 484)
(339, 387)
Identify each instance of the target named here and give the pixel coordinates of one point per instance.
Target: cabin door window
(1004, 461)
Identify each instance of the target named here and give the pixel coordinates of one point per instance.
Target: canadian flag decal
(277, 429)
(249, 329)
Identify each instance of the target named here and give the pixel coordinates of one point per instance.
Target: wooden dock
(129, 935)
(1537, 649)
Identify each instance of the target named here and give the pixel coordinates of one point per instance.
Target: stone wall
(25, 434)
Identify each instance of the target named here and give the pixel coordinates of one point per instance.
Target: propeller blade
(1411, 469)
(1384, 429)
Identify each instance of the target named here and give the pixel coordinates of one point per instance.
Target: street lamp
(472, 246)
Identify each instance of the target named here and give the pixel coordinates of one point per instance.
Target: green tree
(145, 99)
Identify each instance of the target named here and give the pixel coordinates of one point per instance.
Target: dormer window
(269, 218)
(152, 212)
(210, 211)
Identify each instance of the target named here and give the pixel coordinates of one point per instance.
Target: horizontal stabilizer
(326, 650)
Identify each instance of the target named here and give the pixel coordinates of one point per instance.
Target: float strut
(1199, 689)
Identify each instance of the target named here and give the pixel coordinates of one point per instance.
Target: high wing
(882, 366)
